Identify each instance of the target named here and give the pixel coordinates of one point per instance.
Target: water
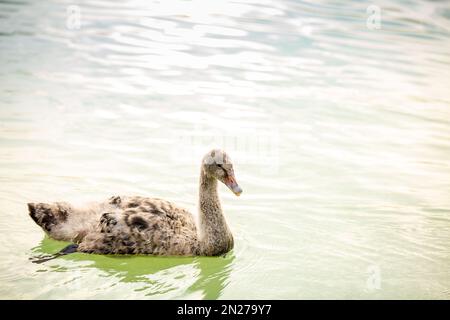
(339, 131)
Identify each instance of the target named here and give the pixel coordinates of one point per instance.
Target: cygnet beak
(230, 182)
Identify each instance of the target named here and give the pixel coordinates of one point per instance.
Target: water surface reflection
(196, 277)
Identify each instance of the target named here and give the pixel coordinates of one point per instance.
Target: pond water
(338, 124)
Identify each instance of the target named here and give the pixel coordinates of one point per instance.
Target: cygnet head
(217, 164)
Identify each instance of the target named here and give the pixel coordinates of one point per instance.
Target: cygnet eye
(220, 172)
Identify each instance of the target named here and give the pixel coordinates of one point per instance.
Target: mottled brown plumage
(140, 225)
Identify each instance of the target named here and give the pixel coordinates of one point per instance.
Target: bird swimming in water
(151, 226)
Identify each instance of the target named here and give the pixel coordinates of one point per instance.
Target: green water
(339, 133)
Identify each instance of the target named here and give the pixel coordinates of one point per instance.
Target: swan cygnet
(140, 225)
